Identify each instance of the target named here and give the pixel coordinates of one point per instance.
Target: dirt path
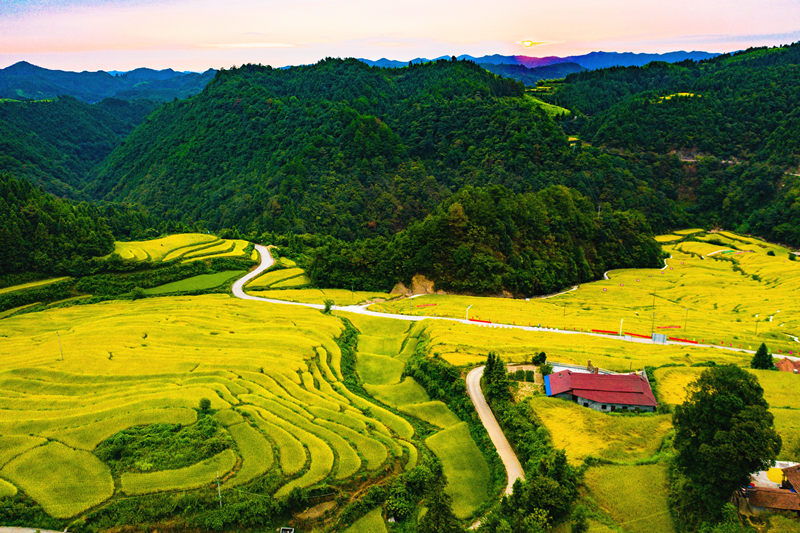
(504, 450)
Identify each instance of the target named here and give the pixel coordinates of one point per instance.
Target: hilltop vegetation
(733, 119)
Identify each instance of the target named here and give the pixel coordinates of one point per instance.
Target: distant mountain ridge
(25, 81)
(590, 61)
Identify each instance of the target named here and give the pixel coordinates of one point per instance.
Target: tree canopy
(723, 433)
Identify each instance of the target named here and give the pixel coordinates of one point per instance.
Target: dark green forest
(44, 233)
(357, 157)
(489, 240)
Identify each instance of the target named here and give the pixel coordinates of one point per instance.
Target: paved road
(26, 530)
(504, 450)
(513, 467)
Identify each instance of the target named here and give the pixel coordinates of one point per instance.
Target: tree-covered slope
(43, 233)
(336, 147)
(56, 143)
(489, 240)
(740, 106)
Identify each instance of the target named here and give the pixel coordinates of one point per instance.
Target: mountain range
(590, 61)
(24, 81)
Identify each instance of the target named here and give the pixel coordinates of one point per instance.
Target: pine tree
(762, 359)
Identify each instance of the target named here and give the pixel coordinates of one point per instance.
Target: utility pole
(468, 308)
(620, 326)
(686, 316)
(60, 349)
(756, 327)
(219, 492)
(653, 323)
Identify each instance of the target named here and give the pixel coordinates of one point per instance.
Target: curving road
(267, 261)
(504, 450)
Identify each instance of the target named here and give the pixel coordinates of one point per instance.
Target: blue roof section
(547, 385)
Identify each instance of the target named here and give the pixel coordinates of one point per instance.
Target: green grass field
(635, 497)
(584, 432)
(464, 467)
(197, 283)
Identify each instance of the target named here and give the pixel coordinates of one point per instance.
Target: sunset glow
(198, 34)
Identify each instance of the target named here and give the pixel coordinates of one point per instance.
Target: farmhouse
(766, 496)
(603, 392)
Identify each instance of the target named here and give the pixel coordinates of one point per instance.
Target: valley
(295, 405)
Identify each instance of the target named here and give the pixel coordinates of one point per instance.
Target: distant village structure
(603, 392)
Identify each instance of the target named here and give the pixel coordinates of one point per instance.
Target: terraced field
(383, 348)
(181, 246)
(271, 373)
(717, 288)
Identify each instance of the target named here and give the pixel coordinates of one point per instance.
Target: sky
(200, 34)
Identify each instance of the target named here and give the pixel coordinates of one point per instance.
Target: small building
(603, 392)
(770, 493)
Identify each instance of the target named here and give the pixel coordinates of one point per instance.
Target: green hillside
(55, 143)
(733, 120)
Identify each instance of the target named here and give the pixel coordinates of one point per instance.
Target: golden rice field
(467, 344)
(271, 372)
(779, 391)
(319, 296)
(584, 432)
(634, 497)
(181, 246)
(32, 284)
(698, 296)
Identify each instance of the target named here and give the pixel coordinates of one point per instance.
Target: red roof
(625, 389)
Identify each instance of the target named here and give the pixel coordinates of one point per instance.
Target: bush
(328, 305)
(205, 405)
(771, 252)
(546, 369)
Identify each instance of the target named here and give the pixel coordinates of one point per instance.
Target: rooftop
(624, 389)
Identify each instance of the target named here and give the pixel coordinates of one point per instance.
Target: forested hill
(337, 147)
(733, 120)
(740, 106)
(29, 82)
(489, 240)
(42, 233)
(56, 143)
